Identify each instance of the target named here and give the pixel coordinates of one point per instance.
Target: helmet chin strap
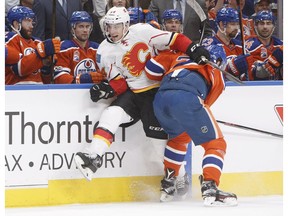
(264, 38)
(17, 30)
(74, 35)
(223, 31)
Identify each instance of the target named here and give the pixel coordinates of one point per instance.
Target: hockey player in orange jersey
(182, 107)
(76, 60)
(35, 56)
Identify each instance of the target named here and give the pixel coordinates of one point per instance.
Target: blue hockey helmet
(149, 16)
(171, 14)
(226, 15)
(136, 15)
(19, 13)
(80, 16)
(264, 15)
(217, 55)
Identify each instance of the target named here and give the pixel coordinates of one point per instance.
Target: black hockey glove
(101, 91)
(196, 52)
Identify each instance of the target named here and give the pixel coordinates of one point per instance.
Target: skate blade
(86, 172)
(166, 197)
(211, 202)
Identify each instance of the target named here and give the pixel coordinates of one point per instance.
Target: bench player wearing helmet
(77, 59)
(22, 21)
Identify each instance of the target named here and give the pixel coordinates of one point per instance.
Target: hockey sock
(175, 152)
(213, 159)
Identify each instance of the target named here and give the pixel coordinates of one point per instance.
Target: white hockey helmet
(114, 16)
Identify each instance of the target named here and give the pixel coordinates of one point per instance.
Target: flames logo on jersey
(135, 59)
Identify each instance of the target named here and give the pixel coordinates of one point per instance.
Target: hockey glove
(262, 70)
(276, 58)
(101, 91)
(48, 47)
(196, 52)
(92, 77)
(240, 65)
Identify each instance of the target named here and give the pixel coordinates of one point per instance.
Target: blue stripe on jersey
(153, 68)
(212, 160)
(174, 156)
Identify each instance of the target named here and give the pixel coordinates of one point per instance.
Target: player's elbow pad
(118, 85)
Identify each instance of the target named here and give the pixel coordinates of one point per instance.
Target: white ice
(247, 206)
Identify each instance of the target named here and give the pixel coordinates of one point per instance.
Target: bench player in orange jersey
(77, 59)
(22, 21)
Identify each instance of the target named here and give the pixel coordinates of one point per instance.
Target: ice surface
(247, 206)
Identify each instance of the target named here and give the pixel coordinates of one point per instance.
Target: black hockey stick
(53, 27)
(241, 27)
(249, 128)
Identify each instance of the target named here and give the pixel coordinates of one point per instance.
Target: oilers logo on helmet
(217, 55)
(226, 15)
(80, 16)
(264, 15)
(19, 13)
(171, 14)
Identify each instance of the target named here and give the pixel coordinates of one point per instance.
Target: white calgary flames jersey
(128, 57)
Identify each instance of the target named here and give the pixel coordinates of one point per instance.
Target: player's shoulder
(105, 45)
(210, 41)
(93, 44)
(67, 44)
(10, 35)
(277, 41)
(236, 42)
(252, 43)
(141, 28)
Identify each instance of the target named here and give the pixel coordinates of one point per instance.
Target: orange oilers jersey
(27, 69)
(168, 61)
(259, 51)
(248, 26)
(232, 50)
(74, 60)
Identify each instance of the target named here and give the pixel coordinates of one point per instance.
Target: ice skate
(182, 186)
(168, 186)
(212, 196)
(87, 164)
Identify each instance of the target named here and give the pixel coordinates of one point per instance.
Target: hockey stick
(200, 12)
(227, 75)
(249, 128)
(241, 27)
(53, 27)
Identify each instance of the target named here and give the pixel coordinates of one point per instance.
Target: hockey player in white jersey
(123, 56)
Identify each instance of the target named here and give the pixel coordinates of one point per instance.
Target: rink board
(46, 125)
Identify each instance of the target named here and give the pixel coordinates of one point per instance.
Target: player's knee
(181, 140)
(218, 145)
